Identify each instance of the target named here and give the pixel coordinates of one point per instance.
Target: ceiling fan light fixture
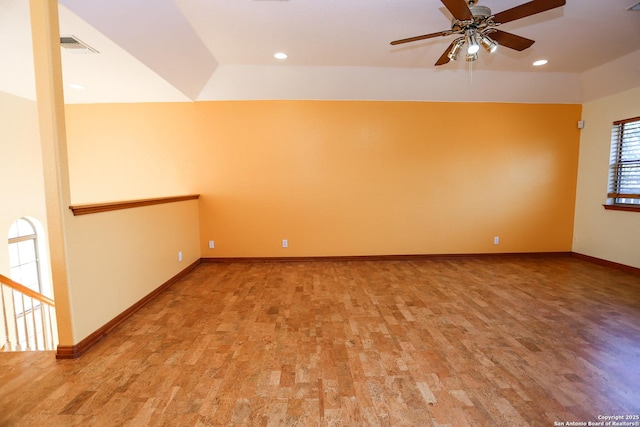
(472, 43)
(488, 43)
(455, 50)
(472, 57)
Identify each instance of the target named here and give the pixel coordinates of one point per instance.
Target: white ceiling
(181, 50)
(576, 37)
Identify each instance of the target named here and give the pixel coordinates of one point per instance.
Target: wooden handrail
(23, 289)
(127, 204)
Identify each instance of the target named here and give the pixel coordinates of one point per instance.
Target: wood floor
(462, 342)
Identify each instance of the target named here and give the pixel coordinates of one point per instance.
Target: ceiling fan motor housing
(480, 15)
(480, 11)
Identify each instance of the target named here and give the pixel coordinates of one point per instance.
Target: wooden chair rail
(127, 204)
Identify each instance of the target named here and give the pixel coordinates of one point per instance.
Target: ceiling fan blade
(445, 56)
(511, 40)
(527, 9)
(459, 9)
(423, 37)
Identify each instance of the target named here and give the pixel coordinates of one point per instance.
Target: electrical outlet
(211, 244)
(285, 243)
(496, 240)
(180, 256)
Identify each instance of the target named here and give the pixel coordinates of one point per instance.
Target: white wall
(253, 82)
(605, 234)
(21, 176)
(117, 258)
(613, 77)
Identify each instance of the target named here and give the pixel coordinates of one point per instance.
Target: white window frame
(22, 265)
(624, 166)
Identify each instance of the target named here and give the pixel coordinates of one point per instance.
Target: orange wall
(351, 177)
(130, 151)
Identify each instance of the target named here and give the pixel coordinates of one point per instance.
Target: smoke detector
(75, 45)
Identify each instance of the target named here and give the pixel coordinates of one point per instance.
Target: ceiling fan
(476, 27)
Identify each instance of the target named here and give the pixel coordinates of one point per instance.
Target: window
(624, 165)
(23, 254)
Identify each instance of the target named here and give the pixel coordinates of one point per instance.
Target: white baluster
(52, 321)
(5, 317)
(26, 326)
(35, 325)
(15, 323)
(53, 328)
(43, 317)
(32, 332)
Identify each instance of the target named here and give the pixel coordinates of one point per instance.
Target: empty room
(294, 213)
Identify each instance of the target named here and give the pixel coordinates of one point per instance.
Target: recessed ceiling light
(76, 86)
(539, 62)
(280, 55)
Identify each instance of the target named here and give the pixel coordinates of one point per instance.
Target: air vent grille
(74, 45)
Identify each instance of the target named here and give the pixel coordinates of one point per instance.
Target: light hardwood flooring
(458, 342)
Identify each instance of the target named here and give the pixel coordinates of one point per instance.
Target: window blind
(624, 169)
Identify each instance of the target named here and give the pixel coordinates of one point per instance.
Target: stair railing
(28, 318)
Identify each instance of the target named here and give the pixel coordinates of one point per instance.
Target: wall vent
(74, 45)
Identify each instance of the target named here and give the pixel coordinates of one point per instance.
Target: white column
(50, 98)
